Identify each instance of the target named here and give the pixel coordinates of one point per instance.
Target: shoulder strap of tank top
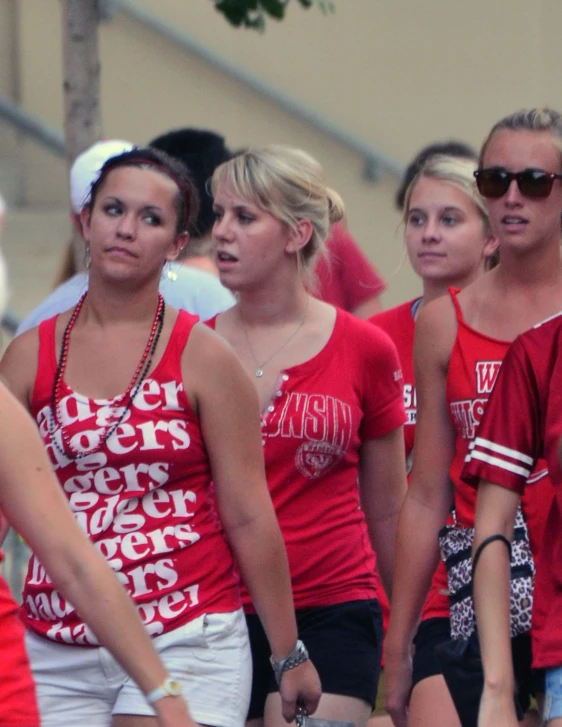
(178, 338)
(453, 292)
(46, 361)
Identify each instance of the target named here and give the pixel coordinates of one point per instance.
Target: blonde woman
(449, 243)
(330, 391)
(461, 340)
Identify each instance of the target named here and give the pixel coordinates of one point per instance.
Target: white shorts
(210, 656)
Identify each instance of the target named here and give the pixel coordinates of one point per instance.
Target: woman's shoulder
(18, 367)
(436, 330)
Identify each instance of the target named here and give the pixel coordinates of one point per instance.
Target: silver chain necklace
(260, 367)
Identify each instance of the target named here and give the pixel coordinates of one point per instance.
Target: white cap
(87, 167)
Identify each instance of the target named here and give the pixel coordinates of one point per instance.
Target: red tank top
(143, 498)
(473, 368)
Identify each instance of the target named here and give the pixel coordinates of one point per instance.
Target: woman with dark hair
(140, 408)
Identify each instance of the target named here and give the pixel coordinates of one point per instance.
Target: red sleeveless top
(143, 498)
(473, 368)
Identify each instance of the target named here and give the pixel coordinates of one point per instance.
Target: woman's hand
(497, 711)
(301, 686)
(173, 712)
(398, 684)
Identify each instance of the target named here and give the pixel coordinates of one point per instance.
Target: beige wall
(398, 74)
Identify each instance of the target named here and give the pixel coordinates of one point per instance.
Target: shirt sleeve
(347, 274)
(383, 402)
(509, 441)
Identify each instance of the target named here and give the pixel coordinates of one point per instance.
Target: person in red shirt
(163, 471)
(461, 340)
(331, 395)
(449, 242)
(522, 424)
(345, 277)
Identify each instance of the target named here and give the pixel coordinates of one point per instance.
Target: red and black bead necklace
(128, 395)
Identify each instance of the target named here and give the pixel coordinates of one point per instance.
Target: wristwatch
(297, 656)
(169, 688)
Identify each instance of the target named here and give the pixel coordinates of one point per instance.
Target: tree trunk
(81, 85)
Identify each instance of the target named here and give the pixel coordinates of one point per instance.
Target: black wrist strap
(486, 542)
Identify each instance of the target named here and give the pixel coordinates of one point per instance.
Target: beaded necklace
(128, 395)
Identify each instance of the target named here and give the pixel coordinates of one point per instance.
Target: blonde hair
(289, 184)
(455, 171)
(458, 173)
(537, 119)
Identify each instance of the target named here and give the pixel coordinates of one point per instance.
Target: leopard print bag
(455, 544)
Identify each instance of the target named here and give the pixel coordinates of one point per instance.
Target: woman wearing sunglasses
(461, 340)
(449, 243)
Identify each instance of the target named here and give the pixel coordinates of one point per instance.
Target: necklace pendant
(259, 373)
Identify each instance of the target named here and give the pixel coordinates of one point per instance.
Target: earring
(87, 257)
(168, 271)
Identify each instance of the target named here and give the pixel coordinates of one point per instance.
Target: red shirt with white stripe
(522, 424)
(143, 498)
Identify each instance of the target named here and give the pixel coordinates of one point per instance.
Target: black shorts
(344, 642)
(430, 633)
(434, 631)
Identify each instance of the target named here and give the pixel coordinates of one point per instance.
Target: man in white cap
(194, 290)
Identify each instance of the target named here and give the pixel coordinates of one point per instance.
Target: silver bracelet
(297, 656)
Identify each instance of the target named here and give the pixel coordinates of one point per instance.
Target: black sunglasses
(533, 183)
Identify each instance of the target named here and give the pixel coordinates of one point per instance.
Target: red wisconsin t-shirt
(346, 277)
(523, 424)
(319, 414)
(399, 324)
(143, 498)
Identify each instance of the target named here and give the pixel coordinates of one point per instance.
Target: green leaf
(252, 13)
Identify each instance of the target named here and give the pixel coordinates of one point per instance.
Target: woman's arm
(228, 409)
(33, 502)
(427, 501)
(18, 366)
(495, 512)
(382, 483)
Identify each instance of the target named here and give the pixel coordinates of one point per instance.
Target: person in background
(460, 342)
(449, 243)
(202, 151)
(331, 397)
(452, 148)
(345, 277)
(152, 428)
(190, 289)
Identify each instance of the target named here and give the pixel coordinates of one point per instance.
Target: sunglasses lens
(535, 185)
(492, 183)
